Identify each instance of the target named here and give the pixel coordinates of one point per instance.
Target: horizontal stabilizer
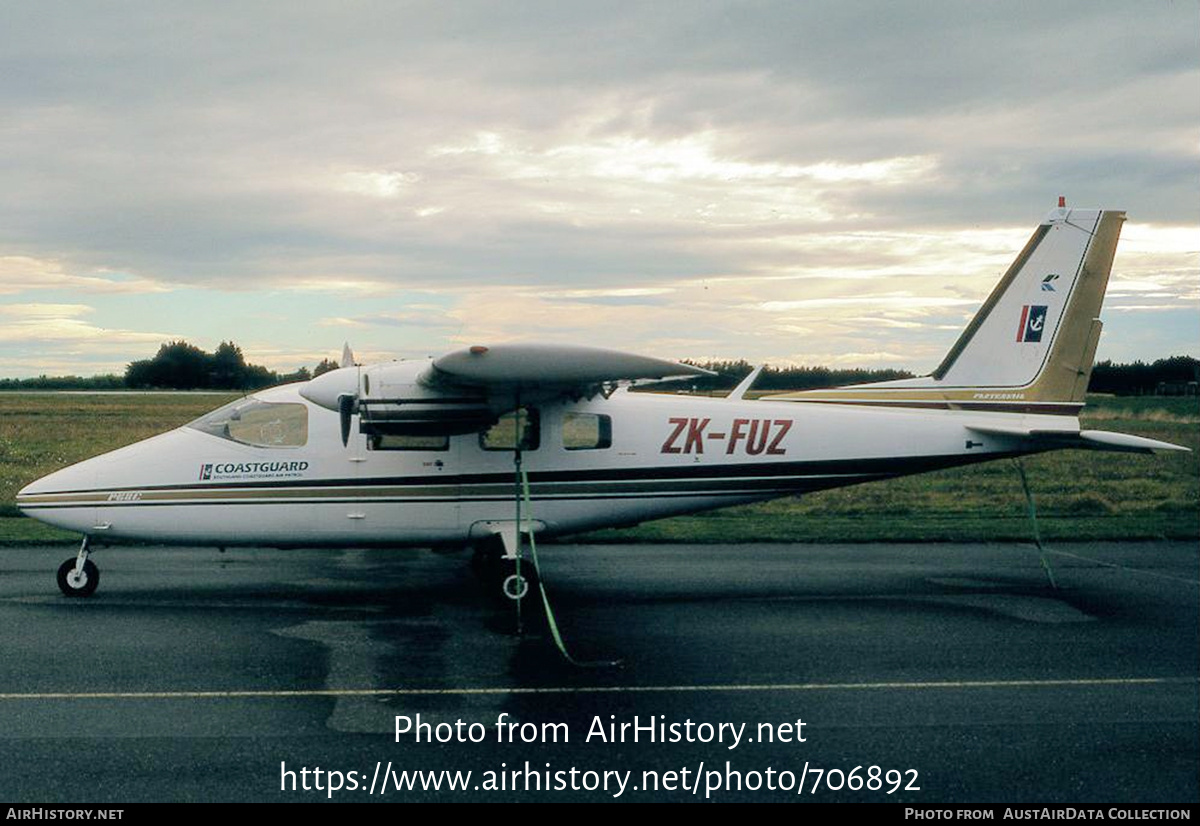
(1015, 431)
(1086, 439)
(1104, 440)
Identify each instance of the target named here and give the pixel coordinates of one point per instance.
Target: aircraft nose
(72, 479)
(80, 497)
(62, 498)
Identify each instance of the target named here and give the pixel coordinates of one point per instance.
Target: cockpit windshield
(258, 423)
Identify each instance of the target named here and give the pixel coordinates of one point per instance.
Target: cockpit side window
(258, 423)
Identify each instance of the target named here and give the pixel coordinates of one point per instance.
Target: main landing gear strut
(79, 576)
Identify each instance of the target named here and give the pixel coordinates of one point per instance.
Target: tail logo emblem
(1048, 282)
(1033, 321)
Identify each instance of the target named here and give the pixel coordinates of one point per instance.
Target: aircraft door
(408, 487)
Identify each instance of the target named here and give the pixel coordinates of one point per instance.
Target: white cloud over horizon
(773, 181)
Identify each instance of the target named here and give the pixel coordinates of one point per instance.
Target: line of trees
(729, 373)
(1174, 376)
(182, 366)
(178, 366)
(107, 381)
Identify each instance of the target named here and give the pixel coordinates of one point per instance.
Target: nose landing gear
(78, 577)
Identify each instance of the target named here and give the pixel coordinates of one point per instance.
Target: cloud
(916, 303)
(404, 320)
(875, 359)
(618, 172)
(56, 324)
(35, 312)
(376, 184)
(19, 273)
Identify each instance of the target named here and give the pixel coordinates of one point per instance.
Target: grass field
(1080, 495)
(42, 432)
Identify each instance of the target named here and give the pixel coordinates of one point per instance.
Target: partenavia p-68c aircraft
(423, 452)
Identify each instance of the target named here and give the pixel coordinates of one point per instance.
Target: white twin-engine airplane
(489, 444)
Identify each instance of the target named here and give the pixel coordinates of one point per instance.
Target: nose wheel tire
(81, 584)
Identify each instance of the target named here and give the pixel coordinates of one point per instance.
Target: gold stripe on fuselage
(267, 495)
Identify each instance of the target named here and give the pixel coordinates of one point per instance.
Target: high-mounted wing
(467, 390)
(562, 366)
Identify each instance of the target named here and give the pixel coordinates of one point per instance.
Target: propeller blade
(345, 411)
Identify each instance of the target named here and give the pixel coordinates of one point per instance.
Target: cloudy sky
(819, 182)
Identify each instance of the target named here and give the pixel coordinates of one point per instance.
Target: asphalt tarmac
(915, 674)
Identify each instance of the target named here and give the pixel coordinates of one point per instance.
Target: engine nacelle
(398, 398)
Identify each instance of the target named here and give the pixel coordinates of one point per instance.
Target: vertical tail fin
(1030, 346)
(1039, 328)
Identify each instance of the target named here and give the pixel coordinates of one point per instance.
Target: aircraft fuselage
(601, 462)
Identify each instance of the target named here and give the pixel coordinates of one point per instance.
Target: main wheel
(82, 584)
(515, 587)
(511, 586)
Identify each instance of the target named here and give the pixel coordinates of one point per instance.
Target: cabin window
(586, 431)
(394, 441)
(503, 435)
(257, 423)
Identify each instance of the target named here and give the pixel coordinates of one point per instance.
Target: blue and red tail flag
(1033, 321)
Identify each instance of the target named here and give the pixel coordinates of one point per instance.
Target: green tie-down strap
(541, 583)
(1037, 534)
